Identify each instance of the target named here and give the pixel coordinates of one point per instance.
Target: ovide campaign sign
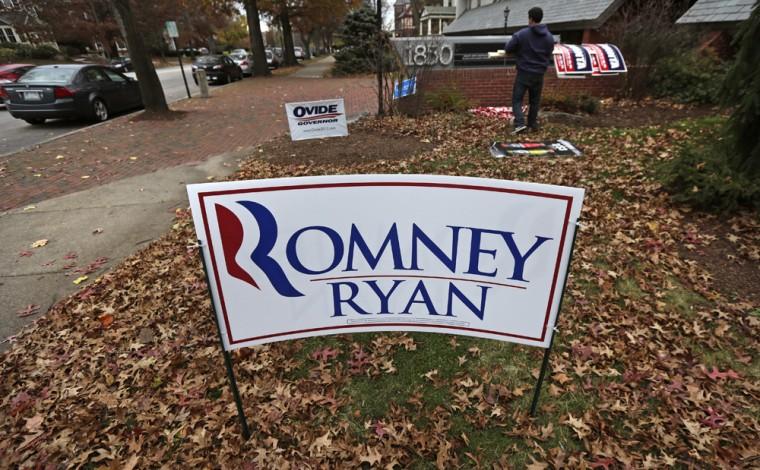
(296, 257)
(317, 119)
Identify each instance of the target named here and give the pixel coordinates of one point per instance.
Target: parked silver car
(244, 60)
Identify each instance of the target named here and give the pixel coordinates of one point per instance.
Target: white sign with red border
(297, 257)
(317, 119)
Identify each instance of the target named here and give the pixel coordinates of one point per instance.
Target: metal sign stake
(227, 357)
(547, 352)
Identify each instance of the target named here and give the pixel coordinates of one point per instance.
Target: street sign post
(173, 33)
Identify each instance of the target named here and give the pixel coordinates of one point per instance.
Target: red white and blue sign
(573, 61)
(570, 60)
(317, 119)
(298, 257)
(606, 59)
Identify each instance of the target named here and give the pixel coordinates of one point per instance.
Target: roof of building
(578, 14)
(717, 11)
(18, 18)
(436, 10)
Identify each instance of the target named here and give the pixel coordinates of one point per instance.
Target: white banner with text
(317, 119)
(297, 257)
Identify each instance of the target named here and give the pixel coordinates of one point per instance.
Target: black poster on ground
(550, 148)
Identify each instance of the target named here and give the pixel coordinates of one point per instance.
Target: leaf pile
(652, 367)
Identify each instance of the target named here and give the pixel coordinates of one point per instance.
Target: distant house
(717, 20)
(575, 21)
(717, 12)
(403, 19)
(435, 18)
(19, 24)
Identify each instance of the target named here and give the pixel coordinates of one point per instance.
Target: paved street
(16, 134)
(99, 195)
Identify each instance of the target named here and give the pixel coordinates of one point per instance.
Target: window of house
(7, 34)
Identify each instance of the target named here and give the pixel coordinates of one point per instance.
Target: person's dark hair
(536, 14)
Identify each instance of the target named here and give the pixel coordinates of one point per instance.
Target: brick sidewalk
(236, 117)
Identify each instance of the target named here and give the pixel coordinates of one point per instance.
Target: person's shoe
(534, 129)
(519, 130)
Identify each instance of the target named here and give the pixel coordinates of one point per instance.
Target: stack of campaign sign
(573, 61)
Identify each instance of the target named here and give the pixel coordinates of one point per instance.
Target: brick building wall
(493, 86)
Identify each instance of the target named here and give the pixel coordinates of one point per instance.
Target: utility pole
(506, 21)
(380, 107)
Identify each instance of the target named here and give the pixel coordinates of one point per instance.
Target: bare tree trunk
(379, 58)
(150, 87)
(260, 67)
(305, 39)
(289, 53)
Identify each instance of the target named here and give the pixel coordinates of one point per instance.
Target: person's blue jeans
(532, 83)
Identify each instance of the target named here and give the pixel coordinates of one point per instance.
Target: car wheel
(35, 121)
(99, 110)
(228, 79)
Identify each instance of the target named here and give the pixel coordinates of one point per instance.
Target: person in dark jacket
(533, 46)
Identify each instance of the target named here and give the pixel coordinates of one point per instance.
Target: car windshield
(48, 75)
(209, 59)
(238, 56)
(269, 55)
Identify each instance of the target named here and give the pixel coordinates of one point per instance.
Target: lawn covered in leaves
(652, 366)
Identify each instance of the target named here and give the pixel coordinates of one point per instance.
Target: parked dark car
(219, 69)
(272, 61)
(122, 64)
(71, 91)
(9, 73)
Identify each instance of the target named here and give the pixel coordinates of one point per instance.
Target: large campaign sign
(297, 257)
(317, 119)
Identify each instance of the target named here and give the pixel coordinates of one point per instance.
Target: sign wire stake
(547, 352)
(227, 357)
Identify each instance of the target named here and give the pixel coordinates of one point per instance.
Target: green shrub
(447, 99)
(701, 176)
(71, 51)
(43, 52)
(7, 54)
(688, 78)
(24, 51)
(573, 103)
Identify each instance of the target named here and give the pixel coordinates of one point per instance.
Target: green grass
(682, 300)
(372, 395)
(505, 363)
(629, 288)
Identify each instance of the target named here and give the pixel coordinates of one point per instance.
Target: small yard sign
(317, 119)
(405, 88)
(298, 257)
(171, 29)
